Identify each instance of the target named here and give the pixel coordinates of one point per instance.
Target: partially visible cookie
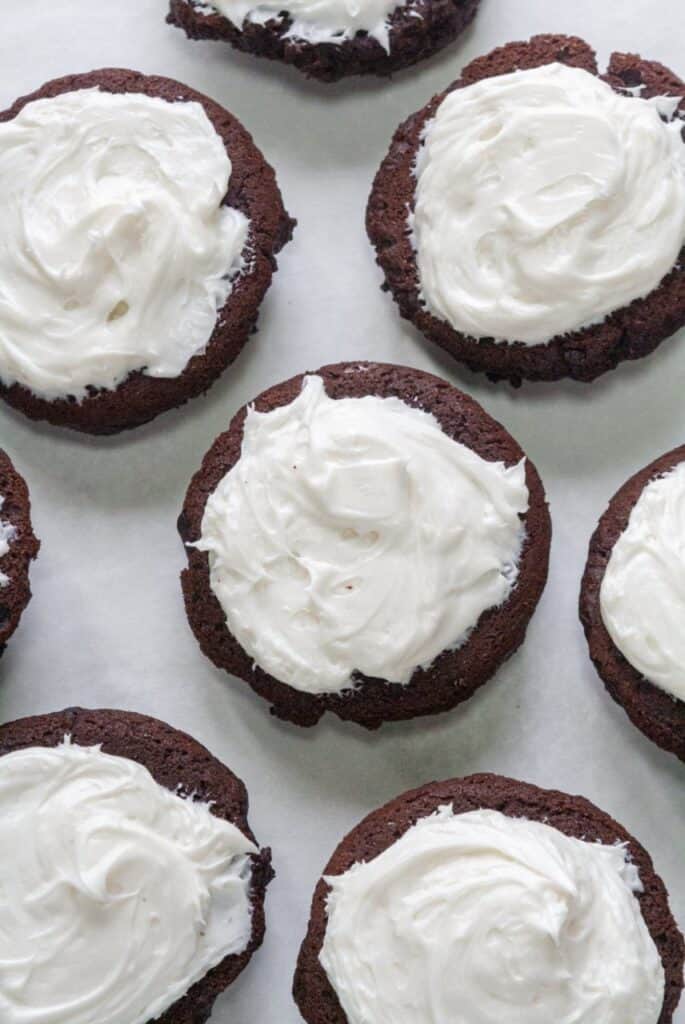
(631, 602)
(123, 835)
(18, 548)
(329, 41)
(508, 216)
(144, 256)
(473, 899)
(364, 540)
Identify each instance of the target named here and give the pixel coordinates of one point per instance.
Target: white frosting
(317, 21)
(483, 919)
(354, 535)
(545, 201)
(116, 253)
(642, 597)
(117, 895)
(7, 535)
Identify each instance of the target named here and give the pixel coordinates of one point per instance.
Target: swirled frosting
(117, 894)
(642, 596)
(316, 21)
(545, 201)
(354, 535)
(116, 251)
(485, 919)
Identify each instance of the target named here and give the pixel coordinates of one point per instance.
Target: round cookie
(626, 333)
(417, 30)
(571, 815)
(254, 192)
(454, 674)
(657, 713)
(22, 548)
(182, 765)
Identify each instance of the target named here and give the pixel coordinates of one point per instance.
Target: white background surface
(106, 626)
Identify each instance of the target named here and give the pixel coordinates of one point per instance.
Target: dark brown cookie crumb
(656, 713)
(628, 333)
(455, 674)
(23, 548)
(417, 31)
(177, 762)
(253, 190)
(572, 815)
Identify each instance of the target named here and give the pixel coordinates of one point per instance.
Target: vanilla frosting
(354, 535)
(117, 894)
(642, 596)
(485, 919)
(545, 201)
(316, 21)
(115, 251)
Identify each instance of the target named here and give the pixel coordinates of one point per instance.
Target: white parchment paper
(106, 626)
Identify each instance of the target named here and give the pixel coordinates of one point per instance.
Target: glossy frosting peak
(545, 200)
(642, 597)
(485, 919)
(117, 894)
(116, 251)
(354, 535)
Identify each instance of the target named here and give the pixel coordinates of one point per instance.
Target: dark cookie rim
(413, 38)
(139, 738)
(629, 333)
(455, 674)
(660, 716)
(253, 190)
(572, 815)
(23, 548)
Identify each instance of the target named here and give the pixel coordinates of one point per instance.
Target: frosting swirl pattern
(116, 251)
(642, 597)
(117, 894)
(354, 535)
(483, 918)
(545, 201)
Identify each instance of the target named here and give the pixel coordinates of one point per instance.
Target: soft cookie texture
(572, 815)
(455, 674)
(417, 30)
(179, 763)
(628, 333)
(655, 712)
(23, 547)
(252, 190)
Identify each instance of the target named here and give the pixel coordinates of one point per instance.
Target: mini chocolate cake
(467, 661)
(415, 31)
(21, 545)
(572, 816)
(658, 713)
(582, 352)
(252, 194)
(184, 767)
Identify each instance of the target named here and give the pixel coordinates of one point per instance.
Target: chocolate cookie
(655, 712)
(417, 30)
(23, 547)
(181, 765)
(571, 815)
(456, 673)
(628, 333)
(253, 191)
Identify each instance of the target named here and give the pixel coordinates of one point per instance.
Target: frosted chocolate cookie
(139, 225)
(632, 604)
(486, 900)
(329, 39)
(364, 540)
(136, 891)
(18, 548)
(531, 218)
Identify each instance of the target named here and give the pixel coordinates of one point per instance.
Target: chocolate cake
(23, 547)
